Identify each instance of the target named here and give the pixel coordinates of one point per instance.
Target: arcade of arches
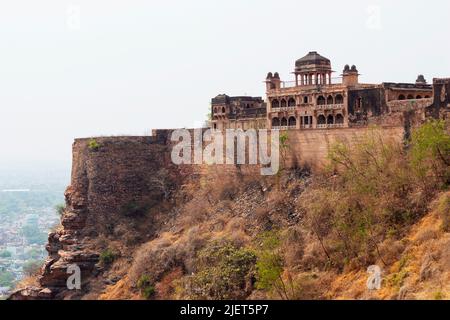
(307, 121)
(290, 102)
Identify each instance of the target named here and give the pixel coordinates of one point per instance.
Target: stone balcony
(315, 107)
(310, 126)
(329, 107)
(283, 109)
(329, 126)
(284, 127)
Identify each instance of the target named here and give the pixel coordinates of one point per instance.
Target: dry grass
(30, 281)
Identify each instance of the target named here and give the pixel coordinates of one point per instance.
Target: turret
(421, 79)
(273, 81)
(350, 76)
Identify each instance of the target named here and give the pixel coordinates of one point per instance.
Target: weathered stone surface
(32, 293)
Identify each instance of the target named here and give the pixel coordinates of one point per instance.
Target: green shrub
(270, 264)
(444, 212)
(93, 145)
(107, 257)
(145, 286)
(224, 272)
(374, 190)
(430, 151)
(60, 208)
(148, 292)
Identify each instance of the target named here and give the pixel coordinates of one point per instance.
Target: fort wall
(121, 169)
(311, 147)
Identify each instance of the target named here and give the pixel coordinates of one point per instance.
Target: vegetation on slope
(303, 236)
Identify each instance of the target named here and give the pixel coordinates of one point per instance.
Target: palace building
(315, 99)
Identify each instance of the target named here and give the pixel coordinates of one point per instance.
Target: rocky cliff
(138, 226)
(109, 176)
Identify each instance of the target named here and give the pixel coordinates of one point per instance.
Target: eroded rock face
(32, 293)
(104, 180)
(63, 250)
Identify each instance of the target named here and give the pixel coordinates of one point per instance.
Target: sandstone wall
(121, 170)
(311, 147)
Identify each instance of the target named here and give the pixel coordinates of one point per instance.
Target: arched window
(284, 122)
(321, 119)
(427, 97)
(292, 121)
(215, 110)
(339, 99)
(419, 97)
(275, 103)
(223, 109)
(330, 119)
(305, 99)
(330, 100)
(291, 102)
(339, 119)
(275, 122)
(410, 97)
(283, 103)
(321, 100)
(401, 97)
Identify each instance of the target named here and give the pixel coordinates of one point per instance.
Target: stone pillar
(329, 78)
(345, 110)
(296, 80)
(314, 122)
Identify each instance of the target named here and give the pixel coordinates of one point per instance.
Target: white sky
(89, 67)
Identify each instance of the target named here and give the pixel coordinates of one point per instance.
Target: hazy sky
(80, 68)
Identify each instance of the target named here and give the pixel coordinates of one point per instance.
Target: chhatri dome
(312, 59)
(313, 69)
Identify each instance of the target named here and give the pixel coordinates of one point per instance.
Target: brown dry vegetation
(377, 203)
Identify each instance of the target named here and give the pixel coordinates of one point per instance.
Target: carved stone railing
(329, 126)
(283, 127)
(283, 109)
(329, 107)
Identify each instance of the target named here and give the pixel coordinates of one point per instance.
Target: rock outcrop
(107, 176)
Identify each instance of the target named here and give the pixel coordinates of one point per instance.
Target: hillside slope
(184, 233)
